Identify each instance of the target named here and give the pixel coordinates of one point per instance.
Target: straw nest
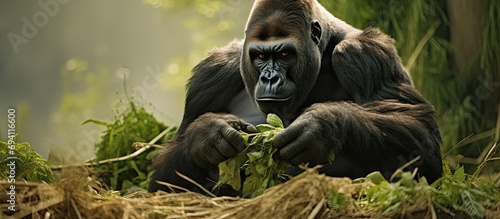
(304, 196)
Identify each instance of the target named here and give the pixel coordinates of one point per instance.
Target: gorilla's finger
(293, 149)
(250, 128)
(301, 158)
(214, 156)
(299, 145)
(235, 124)
(224, 147)
(286, 136)
(234, 138)
(242, 125)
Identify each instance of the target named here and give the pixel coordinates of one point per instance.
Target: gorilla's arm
(359, 133)
(206, 135)
(388, 119)
(215, 81)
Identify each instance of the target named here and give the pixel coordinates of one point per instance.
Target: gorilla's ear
(315, 31)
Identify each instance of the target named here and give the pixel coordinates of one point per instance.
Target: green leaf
(250, 185)
(256, 139)
(270, 162)
(446, 169)
(460, 174)
(274, 120)
(331, 157)
(407, 179)
(264, 127)
(376, 177)
(253, 156)
(229, 172)
(261, 169)
(263, 186)
(336, 200)
(224, 167)
(473, 208)
(235, 181)
(245, 136)
(96, 122)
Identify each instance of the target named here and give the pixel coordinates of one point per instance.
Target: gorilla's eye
(284, 54)
(261, 56)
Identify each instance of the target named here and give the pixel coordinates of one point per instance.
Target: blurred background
(60, 72)
(63, 62)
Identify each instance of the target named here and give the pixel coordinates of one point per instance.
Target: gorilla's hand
(213, 138)
(305, 141)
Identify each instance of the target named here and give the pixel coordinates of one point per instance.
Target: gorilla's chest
(244, 107)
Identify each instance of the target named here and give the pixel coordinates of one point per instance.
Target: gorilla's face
(280, 59)
(274, 61)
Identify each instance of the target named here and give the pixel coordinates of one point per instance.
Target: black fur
(349, 93)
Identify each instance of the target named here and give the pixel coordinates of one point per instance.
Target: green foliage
(390, 196)
(336, 200)
(274, 121)
(134, 124)
(465, 193)
(456, 191)
(262, 168)
(29, 165)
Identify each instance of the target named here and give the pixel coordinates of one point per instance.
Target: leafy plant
(456, 191)
(28, 164)
(135, 124)
(257, 160)
(465, 193)
(336, 200)
(390, 196)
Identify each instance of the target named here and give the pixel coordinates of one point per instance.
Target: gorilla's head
(281, 58)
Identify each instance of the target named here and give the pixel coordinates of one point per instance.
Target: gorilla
(337, 89)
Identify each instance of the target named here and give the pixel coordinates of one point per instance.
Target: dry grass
(305, 196)
(302, 197)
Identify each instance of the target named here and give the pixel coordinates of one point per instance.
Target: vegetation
(135, 124)
(28, 165)
(456, 195)
(455, 192)
(262, 167)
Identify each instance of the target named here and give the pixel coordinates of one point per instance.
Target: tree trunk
(467, 25)
(466, 28)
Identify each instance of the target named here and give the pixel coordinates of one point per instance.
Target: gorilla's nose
(270, 79)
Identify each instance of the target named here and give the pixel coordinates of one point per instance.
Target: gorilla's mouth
(273, 104)
(273, 99)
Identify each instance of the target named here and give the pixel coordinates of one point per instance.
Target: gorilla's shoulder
(231, 50)
(222, 65)
(234, 46)
(222, 59)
